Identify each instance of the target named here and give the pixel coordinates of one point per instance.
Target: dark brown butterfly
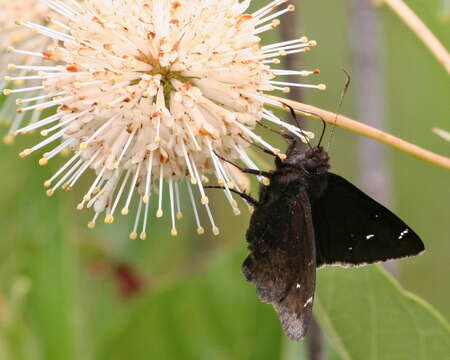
(306, 218)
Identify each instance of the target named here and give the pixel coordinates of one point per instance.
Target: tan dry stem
(420, 29)
(371, 132)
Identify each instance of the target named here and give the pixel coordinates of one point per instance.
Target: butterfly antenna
(324, 123)
(348, 79)
(294, 115)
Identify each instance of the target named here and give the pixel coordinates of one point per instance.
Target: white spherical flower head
(12, 36)
(155, 92)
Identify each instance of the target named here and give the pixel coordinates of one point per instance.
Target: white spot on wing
(298, 286)
(309, 301)
(403, 233)
(370, 236)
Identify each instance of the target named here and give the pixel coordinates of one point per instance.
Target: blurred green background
(59, 281)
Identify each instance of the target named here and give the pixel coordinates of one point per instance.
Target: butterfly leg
(246, 170)
(245, 196)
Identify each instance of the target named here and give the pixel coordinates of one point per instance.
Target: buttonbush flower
(155, 92)
(12, 36)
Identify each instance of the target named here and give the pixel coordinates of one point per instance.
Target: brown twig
(421, 30)
(369, 131)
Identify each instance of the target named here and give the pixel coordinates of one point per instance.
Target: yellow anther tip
(215, 230)
(133, 235)
(8, 139)
(159, 213)
(25, 153)
(91, 224)
(109, 219)
(43, 161)
(266, 181)
(83, 146)
(125, 211)
(173, 232)
(179, 216)
(205, 200)
(80, 206)
(200, 230)
(322, 87)
(146, 199)
(143, 236)
(50, 192)
(236, 211)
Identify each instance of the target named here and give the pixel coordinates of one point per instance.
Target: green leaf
(213, 316)
(367, 315)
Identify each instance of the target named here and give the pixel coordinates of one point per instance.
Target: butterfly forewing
(282, 257)
(353, 229)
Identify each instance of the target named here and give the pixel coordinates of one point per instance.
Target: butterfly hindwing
(353, 229)
(281, 263)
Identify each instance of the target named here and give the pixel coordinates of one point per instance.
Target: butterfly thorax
(317, 164)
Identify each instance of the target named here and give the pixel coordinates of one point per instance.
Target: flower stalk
(420, 29)
(366, 130)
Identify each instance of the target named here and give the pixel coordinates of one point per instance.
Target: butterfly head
(316, 160)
